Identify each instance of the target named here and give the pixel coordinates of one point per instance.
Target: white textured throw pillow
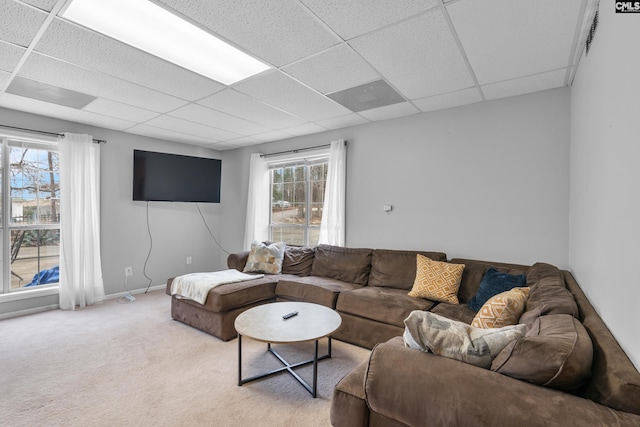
(265, 258)
(430, 332)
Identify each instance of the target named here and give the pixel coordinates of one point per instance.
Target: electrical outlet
(189, 260)
(128, 271)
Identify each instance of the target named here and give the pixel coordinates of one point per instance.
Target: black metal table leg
(288, 367)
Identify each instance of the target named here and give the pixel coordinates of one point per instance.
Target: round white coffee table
(266, 323)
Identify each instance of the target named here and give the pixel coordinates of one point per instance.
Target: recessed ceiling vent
(48, 93)
(367, 96)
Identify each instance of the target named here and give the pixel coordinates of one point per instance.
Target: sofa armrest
(238, 260)
(418, 388)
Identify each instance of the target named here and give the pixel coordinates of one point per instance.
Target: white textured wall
(177, 228)
(485, 181)
(605, 176)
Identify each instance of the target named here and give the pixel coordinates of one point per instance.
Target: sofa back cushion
(347, 264)
(548, 295)
(556, 352)
(475, 270)
(298, 260)
(397, 269)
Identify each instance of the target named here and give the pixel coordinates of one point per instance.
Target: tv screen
(174, 178)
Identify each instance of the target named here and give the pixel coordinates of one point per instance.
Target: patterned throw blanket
(196, 286)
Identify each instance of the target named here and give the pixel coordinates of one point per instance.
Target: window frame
(8, 140)
(319, 157)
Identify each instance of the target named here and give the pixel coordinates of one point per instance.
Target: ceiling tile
(88, 49)
(449, 100)
(59, 73)
(19, 23)
(333, 70)
(419, 57)
(10, 56)
(33, 106)
(243, 141)
(390, 111)
(223, 146)
(504, 39)
(169, 135)
(119, 110)
(4, 77)
(41, 4)
(342, 121)
(355, 17)
(305, 129)
(209, 117)
(191, 128)
(283, 92)
(274, 135)
(535, 83)
(241, 105)
(279, 32)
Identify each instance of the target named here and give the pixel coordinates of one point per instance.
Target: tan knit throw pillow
(502, 310)
(436, 280)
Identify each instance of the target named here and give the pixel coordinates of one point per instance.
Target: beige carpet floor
(116, 364)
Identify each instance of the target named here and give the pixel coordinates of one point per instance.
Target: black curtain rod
(297, 150)
(97, 141)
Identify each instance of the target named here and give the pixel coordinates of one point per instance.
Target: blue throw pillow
(494, 283)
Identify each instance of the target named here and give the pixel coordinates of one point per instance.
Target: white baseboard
(28, 311)
(135, 291)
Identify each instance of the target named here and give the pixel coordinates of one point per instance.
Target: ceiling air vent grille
(592, 31)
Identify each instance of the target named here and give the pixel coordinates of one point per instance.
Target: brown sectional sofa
(398, 386)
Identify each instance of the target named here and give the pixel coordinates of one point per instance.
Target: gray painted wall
(484, 181)
(177, 229)
(605, 150)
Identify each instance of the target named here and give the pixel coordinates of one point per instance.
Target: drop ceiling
(435, 54)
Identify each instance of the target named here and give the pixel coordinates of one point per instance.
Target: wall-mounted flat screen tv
(166, 177)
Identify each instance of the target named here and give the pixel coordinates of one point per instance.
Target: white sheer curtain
(80, 266)
(332, 227)
(258, 203)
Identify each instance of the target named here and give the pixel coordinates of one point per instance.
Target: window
(297, 199)
(30, 226)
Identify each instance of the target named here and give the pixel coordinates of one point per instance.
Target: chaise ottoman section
(224, 303)
(348, 405)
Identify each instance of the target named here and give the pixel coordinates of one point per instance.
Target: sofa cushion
(347, 264)
(430, 332)
(397, 269)
(475, 270)
(459, 312)
(436, 280)
(298, 260)
(319, 290)
(502, 310)
(265, 258)
(556, 352)
(234, 295)
(386, 305)
(549, 294)
(493, 283)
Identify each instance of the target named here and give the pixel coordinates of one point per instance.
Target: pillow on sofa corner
(429, 332)
(265, 258)
(436, 280)
(493, 283)
(502, 310)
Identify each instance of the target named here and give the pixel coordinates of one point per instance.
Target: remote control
(290, 315)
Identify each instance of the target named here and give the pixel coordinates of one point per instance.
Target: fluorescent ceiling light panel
(149, 27)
